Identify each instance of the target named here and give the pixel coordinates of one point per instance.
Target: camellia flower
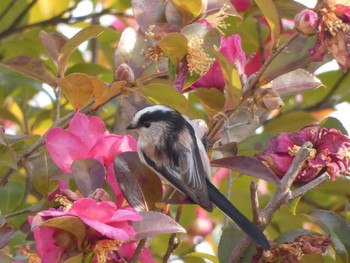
(101, 228)
(330, 152)
(241, 5)
(231, 48)
(333, 33)
(87, 138)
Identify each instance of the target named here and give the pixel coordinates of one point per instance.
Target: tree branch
(282, 195)
(140, 246)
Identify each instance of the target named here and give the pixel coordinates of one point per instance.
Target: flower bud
(268, 99)
(306, 22)
(124, 72)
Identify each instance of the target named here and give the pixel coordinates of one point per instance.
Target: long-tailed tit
(170, 146)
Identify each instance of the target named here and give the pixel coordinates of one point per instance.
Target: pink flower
(330, 152)
(231, 48)
(202, 225)
(333, 34)
(103, 221)
(87, 138)
(306, 22)
(241, 5)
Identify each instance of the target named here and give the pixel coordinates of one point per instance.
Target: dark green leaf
(334, 123)
(88, 174)
(337, 227)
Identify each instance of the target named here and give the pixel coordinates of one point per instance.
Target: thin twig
(281, 197)
(173, 242)
(140, 246)
(311, 185)
(255, 202)
(9, 6)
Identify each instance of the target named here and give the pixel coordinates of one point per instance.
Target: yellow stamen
(198, 61)
(295, 149)
(33, 258)
(217, 20)
(65, 203)
(103, 247)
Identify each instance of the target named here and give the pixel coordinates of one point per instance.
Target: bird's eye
(147, 124)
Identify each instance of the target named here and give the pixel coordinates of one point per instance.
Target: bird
(170, 146)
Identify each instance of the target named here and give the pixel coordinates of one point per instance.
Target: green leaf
(33, 68)
(337, 227)
(88, 174)
(11, 196)
(232, 81)
(174, 46)
(160, 93)
(7, 157)
(229, 239)
(189, 10)
(214, 99)
(269, 10)
(38, 172)
(75, 259)
(334, 123)
(290, 122)
(195, 255)
(73, 43)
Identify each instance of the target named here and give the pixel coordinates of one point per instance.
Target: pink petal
(64, 148)
(111, 145)
(106, 230)
(89, 208)
(126, 213)
(88, 130)
(127, 250)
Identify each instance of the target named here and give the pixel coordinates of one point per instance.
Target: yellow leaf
(78, 89)
(103, 92)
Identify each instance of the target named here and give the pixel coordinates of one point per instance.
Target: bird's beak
(131, 126)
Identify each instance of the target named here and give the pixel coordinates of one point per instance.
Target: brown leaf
(103, 92)
(53, 43)
(78, 88)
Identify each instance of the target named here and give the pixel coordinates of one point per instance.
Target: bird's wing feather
(188, 176)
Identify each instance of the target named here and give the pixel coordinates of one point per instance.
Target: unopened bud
(268, 99)
(306, 22)
(124, 72)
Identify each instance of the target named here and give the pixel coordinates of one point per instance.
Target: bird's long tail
(218, 199)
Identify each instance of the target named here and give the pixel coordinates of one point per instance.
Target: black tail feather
(218, 199)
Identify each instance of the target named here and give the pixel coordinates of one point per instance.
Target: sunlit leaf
(33, 68)
(155, 223)
(269, 10)
(160, 93)
(88, 174)
(78, 88)
(139, 185)
(247, 165)
(189, 10)
(53, 43)
(337, 227)
(102, 92)
(67, 50)
(7, 232)
(174, 46)
(75, 259)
